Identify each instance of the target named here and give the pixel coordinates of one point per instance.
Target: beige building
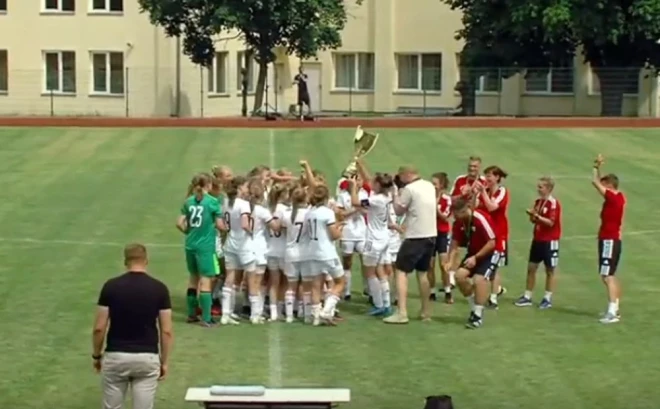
(103, 58)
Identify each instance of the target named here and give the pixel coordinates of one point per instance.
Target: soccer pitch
(71, 198)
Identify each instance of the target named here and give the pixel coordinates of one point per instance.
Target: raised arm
(595, 176)
(309, 174)
(363, 171)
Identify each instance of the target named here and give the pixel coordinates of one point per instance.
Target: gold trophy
(363, 143)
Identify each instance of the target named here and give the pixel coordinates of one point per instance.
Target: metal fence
(199, 92)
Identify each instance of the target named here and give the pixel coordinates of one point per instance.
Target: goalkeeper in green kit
(201, 217)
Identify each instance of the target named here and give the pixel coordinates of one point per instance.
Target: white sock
(479, 310)
(273, 311)
(217, 291)
(261, 305)
(375, 291)
(330, 304)
(385, 286)
(315, 312)
(452, 278)
(289, 301)
(307, 305)
(347, 288)
(432, 290)
(611, 308)
(234, 300)
(226, 301)
(448, 289)
(493, 298)
(548, 296)
(254, 305)
(528, 294)
(470, 300)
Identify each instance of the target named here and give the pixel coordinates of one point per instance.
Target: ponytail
(198, 184)
(298, 198)
(232, 189)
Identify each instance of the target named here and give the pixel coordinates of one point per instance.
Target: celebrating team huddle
(264, 245)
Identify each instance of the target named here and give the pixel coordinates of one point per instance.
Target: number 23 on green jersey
(201, 218)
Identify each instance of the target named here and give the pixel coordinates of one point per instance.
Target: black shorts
(546, 252)
(415, 254)
(303, 99)
(442, 243)
(486, 266)
(609, 254)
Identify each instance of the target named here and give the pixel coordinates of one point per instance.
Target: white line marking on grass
(275, 370)
(38, 242)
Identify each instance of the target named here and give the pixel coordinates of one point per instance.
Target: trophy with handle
(363, 143)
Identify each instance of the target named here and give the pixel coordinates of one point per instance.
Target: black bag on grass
(439, 402)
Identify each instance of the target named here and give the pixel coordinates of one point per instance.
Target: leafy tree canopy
(302, 27)
(611, 35)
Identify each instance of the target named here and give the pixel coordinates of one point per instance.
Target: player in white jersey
(239, 246)
(322, 230)
(376, 254)
(277, 199)
(355, 230)
(262, 223)
(295, 255)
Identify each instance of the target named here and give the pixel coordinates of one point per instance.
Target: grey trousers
(121, 370)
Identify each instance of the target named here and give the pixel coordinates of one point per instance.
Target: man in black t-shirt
(303, 92)
(139, 339)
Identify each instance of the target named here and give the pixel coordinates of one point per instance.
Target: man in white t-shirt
(417, 201)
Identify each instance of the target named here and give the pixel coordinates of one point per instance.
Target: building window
(629, 78)
(218, 74)
(249, 66)
(419, 72)
(354, 71)
(67, 6)
(60, 71)
(489, 81)
(4, 72)
(555, 80)
(108, 73)
(108, 6)
(3, 6)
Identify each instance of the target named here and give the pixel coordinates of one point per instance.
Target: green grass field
(70, 199)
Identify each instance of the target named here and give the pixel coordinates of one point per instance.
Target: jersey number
(300, 228)
(195, 217)
(313, 230)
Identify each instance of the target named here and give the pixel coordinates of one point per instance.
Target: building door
(279, 85)
(313, 72)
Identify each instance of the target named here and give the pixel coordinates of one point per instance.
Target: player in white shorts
(355, 230)
(239, 246)
(396, 237)
(262, 222)
(277, 198)
(295, 255)
(376, 254)
(322, 230)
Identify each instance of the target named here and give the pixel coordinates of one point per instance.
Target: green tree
(613, 36)
(503, 33)
(301, 27)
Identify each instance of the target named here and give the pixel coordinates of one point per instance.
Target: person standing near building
(303, 92)
(139, 341)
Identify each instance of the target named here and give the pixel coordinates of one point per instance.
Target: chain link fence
(412, 89)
